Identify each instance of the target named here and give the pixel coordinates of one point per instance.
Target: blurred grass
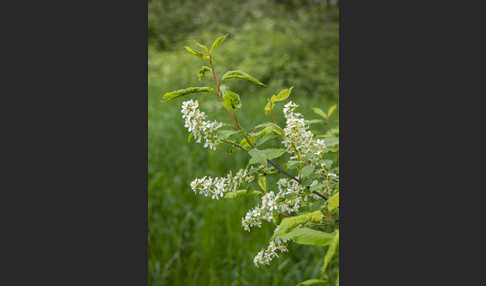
(194, 240)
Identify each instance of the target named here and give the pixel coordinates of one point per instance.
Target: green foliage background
(194, 240)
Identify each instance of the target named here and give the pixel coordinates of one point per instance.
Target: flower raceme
(289, 199)
(265, 256)
(195, 123)
(299, 140)
(217, 187)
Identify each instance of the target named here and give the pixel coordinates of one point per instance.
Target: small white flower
(201, 130)
(272, 251)
(217, 187)
(298, 137)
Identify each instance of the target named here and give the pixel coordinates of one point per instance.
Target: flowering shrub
(305, 206)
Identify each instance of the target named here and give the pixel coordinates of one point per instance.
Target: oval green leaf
(309, 236)
(307, 170)
(289, 223)
(333, 202)
(330, 252)
(312, 282)
(202, 71)
(273, 153)
(196, 53)
(320, 112)
(240, 75)
(262, 182)
(217, 42)
(231, 100)
(173, 94)
(282, 95)
(202, 47)
(331, 110)
(257, 157)
(239, 193)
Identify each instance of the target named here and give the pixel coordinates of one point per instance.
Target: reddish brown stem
(214, 77)
(271, 115)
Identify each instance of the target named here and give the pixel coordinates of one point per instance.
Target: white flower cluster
(290, 187)
(265, 256)
(272, 203)
(320, 146)
(195, 123)
(298, 138)
(255, 216)
(217, 187)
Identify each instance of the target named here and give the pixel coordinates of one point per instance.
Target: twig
(271, 115)
(319, 194)
(233, 143)
(283, 171)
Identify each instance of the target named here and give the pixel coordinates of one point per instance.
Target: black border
(78, 143)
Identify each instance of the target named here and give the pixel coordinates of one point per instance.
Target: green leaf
(231, 100)
(268, 106)
(333, 202)
(278, 130)
(271, 129)
(241, 75)
(316, 121)
(257, 157)
(265, 138)
(173, 94)
(309, 236)
(266, 124)
(263, 132)
(330, 252)
(320, 112)
(282, 95)
(331, 141)
(274, 126)
(202, 47)
(312, 282)
(202, 71)
(217, 42)
(331, 110)
(273, 153)
(333, 132)
(244, 143)
(225, 134)
(189, 138)
(307, 170)
(292, 164)
(239, 193)
(197, 53)
(289, 223)
(317, 187)
(262, 182)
